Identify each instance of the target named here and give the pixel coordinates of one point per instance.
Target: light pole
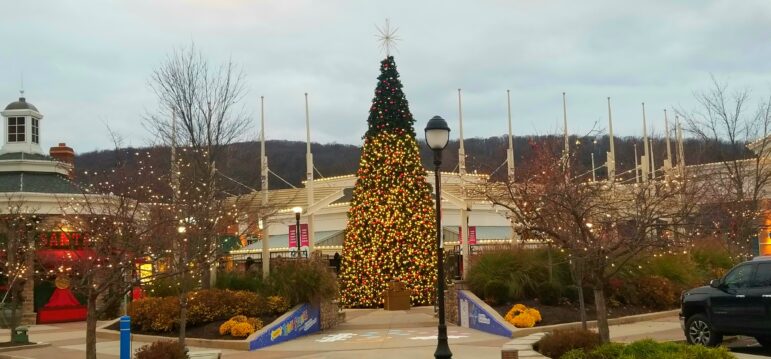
(437, 136)
(297, 211)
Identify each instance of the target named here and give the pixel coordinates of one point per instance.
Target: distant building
(332, 201)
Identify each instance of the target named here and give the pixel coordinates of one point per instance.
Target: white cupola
(21, 121)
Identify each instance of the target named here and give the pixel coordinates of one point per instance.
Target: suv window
(762, 276)
(739, 277)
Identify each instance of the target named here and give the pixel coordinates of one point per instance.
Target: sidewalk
(367, 333)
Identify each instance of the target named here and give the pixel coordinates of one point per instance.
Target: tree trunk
(182, 316)
(582, 307)
(602, 313)
(205, 275)
(577, 273)
(91, 326)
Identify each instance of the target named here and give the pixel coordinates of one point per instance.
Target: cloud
(88, 62)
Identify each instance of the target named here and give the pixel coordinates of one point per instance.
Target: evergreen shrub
(559, 342)
(165, 349)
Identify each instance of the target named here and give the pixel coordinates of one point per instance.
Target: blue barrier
(125, 337)
(474, 313)
(301, 321)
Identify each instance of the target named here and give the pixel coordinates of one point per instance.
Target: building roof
(25, 156)
(21, 104)
(38, 182)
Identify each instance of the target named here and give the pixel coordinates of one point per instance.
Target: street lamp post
(297, 211)
(437, 136)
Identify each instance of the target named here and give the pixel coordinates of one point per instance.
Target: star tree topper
(387, 37)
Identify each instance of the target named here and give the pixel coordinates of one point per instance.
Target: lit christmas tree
(390, 233)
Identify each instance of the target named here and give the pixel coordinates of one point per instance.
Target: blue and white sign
(475, 315)
(303, 320)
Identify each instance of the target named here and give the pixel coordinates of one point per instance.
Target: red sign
(472, 235)
(303, 236)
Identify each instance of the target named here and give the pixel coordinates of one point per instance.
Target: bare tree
(601, 225)
(203, 98)
(738, 138)
(19, 228)
(109, 227)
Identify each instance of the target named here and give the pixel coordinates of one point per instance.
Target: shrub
(496, 292)
(166, 287)
(680, 269)
(154, 314)
(204, 306)
(241, 330)
(657, 292)
(161, 350)
(606, 351)
(574, 354)
(549, 293)
(239, 319)
(278, 304)
(248, 281)
(256, 323)
(559, 342)
(522, 270)
(648, 349)
(711, 259)
(306, 281)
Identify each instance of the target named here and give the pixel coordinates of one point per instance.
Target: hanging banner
(303, 235)
(292, 236)
(472, 235)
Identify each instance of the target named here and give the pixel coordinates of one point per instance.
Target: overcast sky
(87, 63)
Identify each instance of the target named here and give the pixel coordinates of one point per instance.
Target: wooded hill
(486, 155)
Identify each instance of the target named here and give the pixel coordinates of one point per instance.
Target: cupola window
(35, 131)
(16, 129)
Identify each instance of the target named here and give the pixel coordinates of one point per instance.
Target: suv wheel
(698, 330)
(764, 341)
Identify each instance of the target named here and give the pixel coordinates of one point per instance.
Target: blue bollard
(125, 337)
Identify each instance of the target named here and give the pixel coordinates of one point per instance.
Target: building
(330, 209)
(32, 187)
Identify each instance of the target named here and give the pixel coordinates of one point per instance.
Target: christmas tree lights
(390, 232)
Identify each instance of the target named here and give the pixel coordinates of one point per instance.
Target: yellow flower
(239, 319)
(519, 307)
(534, 313)
(241, 330)
(523, 321)
(226, 327)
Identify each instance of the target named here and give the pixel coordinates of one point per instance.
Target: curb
(23, 347)
(520, 332)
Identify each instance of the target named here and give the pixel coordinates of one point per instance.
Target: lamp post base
(442, 347)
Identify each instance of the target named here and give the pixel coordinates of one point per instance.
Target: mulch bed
(205, 331)
(568, 313)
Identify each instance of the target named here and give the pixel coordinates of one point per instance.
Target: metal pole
(297, 232)
(442, 347)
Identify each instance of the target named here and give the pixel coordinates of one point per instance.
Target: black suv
(737, 304)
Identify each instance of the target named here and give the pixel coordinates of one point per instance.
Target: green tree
(390, 232)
